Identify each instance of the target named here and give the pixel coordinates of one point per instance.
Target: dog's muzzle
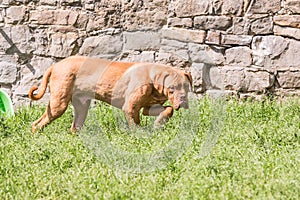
(182, 102)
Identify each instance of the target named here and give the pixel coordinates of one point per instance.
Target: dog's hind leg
(56, 107)
(81, 104)
(164, 113)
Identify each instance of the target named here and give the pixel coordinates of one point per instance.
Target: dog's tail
(43, 86)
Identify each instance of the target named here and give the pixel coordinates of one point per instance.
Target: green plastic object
(6, 107)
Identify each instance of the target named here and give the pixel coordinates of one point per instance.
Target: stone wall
(238, 47)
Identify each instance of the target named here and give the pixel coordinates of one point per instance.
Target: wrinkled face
(177, 87)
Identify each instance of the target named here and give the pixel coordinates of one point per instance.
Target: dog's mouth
(182, 104)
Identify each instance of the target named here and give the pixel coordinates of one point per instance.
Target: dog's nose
(182, 97)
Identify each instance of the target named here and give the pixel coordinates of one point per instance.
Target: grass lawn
(214, 150)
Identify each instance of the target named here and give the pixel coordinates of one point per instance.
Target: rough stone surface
(288, 20)
(141, 40)
(54, 17)
(62, 45)
(197, 71)
(292, 6)
(287, 31)
(212, 22)
(184, 35)
(8, 72)
(106, 45)
(145, 56)
(234, 7)
(191, 8)
(232, 47)
(240, 26)
(15, 14)
(143, 15)
(262, 26)
(241, 40)
(289, 79)
(266, 50)
(239, 79)
(180, 22)
(213, 37)
(265, 6)
(258, 81)
(206, 54)
(239, 56)
(275, 51)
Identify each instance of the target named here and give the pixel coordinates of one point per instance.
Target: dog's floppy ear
(159, 81)
(189, 76)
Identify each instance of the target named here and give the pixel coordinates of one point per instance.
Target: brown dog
(129, 86)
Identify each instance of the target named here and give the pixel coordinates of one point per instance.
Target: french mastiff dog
(128, 86)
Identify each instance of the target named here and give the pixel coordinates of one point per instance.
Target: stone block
(213, 37)
(42, 41)
(241, 26)
(191, 8)
(239, 56)
(292, 6)
(69, 2)
(290, 58)
(241, 40)
(89, 6)
(288, 20)
(226, 78)
(141, 40)
(206, 54)
(275, 51)
(5, 39)
(94, 22)
(82, 21)
(232, 7)
(22, 38)
(258, 81)
(8, 72)
(106, 46)
(180, 22)
(48, 2)
(213, 22)
(239, 79)
(268, 49)
(264, 7)
(184, 35)
(143, 15)
(62, 45)
(66, 17)
(39, 64)
(54, 17)
(198, 75)
(173, 51)
(2, 14)
(15, 14)
(289, 79)
(166, 43)
(287, 31)
(145, 56)
(262, 26)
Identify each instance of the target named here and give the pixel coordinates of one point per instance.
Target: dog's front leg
(164, 113)
(131, 113)
(132, 116)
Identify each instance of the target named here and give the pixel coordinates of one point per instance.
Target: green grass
(215, 150)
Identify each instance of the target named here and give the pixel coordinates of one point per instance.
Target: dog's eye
(171, 89)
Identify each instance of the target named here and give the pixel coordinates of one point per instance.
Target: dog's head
(176, 85)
